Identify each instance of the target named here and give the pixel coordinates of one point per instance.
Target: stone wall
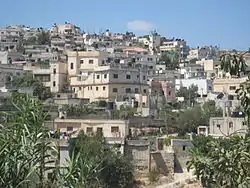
(163, 161)
(137, 151)
(144, 160)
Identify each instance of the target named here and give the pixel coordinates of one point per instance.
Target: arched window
(71, 65)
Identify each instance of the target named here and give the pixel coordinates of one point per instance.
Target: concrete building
(192, 71)
(11, 37)
(227, 85)
(205, 52)
(66, 37)
(177, 46)
(7, 71)
(108, 128)
(53, 75)
(92, 77)
(204, 85)
(151, 41)
(7, 57)
(224, 126)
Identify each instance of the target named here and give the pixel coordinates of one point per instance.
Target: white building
(204, 85)
(10, 57)
(178, 46)
(151, 41)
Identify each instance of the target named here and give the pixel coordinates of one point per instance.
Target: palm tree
(233, 63)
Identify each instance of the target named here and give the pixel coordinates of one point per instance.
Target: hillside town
(147, 96)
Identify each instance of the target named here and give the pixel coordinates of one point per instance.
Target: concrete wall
(164, 162)
(143, 160)
(138, 153)
(181, 147)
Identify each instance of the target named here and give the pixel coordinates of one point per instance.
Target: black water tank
(110, 105)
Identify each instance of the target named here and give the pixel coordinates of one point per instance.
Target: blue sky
(200, 22)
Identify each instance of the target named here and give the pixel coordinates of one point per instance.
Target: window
(91, 61)
(218, 126)
(138, 76)
(144, 77)
(232, 88)
(105, 75)
(128, 76)
(103, 88)
(90, 87)
(128, 90)
(183, 148)
(103, 61)
(136, 90)
(144, 91)
(114, 129)
(54, 71)
(69, 128)
(230, 125)
(96, 88)
(71, 65)
(98, 76)
(230, 97)
(169, 93)
(143, 104)
(54, 84)
(115, 76)
(89, 130)
(115, 90)
(81, 61)
(99, 131)
(80, 88)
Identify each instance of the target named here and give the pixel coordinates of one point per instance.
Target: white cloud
(140, 25)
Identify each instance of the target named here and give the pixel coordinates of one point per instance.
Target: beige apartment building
(224, 126)
(108, 128)
(227, 85)
(53, 75)
(92, 77)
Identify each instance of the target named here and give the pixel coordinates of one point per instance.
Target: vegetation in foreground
(221, 162)
(28, 153)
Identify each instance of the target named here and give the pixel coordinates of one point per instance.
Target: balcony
(57, 41)
(46, 84)
(42, 70)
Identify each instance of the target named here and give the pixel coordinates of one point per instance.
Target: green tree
(233, 63)
(43, 38)
(171, 63)
(76, 111)
(210, 110)
(189, 119)
(244, 96)
(27, 80)
(94, 164)
(190, 94)
(124, 112)
(221, 162)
